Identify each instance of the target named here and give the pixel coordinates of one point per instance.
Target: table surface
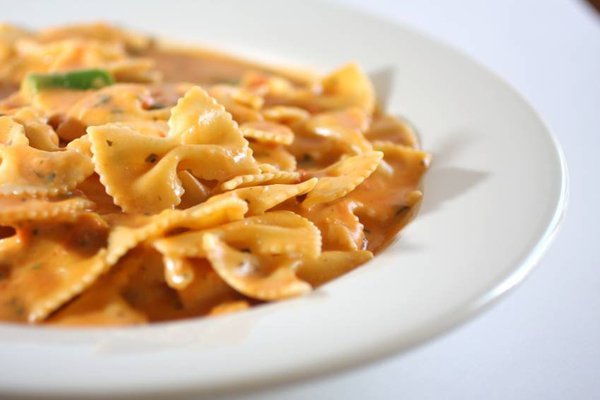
(543, 340)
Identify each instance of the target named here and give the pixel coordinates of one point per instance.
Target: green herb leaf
(82, 79)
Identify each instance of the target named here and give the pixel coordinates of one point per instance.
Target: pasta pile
(127, 197)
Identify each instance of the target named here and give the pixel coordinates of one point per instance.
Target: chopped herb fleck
(36, 266)
(151, 158)
(245, 250)
(109, 142)
(48, 178)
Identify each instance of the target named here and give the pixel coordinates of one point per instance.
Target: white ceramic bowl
(493, 200)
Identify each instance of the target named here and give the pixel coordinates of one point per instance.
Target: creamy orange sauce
(54, 243)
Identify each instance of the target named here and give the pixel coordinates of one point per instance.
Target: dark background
(596, 4)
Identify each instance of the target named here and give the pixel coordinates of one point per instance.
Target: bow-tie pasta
(140, 183)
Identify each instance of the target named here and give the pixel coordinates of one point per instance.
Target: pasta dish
(143, 183)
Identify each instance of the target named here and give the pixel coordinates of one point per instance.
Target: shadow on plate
(446, 184)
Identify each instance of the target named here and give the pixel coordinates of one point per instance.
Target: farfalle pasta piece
(341, 178)
(39, 134)
(344, 127)
(402, 152)
(46, 265)
(194, 191)
(93, 190)
(15, 210)
(348, 87)
(145, 108)
(264, 278)
(56, 102)
(116, 103)
(134, 70)
(268, 132)
(12, 133)
(280, 233)
(150, 182)
(272, 177)
(330, 265)
(337, 221)
(345, 87)
(262, 198)
(206, 290)
(148, 292)
(402, 167)
(199, 119)
(277, 90)
(285, 114)
(205, 215)
(227, 93)
(202, 139)
(133, 292)
(242, 104)
(392, 129)
(98, 307)
(82, 146)
(273, 154)
(103, 302)
(25, 170)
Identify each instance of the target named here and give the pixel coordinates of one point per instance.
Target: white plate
(493, 200)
